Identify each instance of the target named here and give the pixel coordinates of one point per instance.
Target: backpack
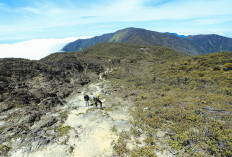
(86, 97)
(94, 97)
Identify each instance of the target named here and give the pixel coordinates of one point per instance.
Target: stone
(5, 106)
(160, 134)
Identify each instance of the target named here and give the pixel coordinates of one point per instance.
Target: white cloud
(123, 10)
(35, 48)
(32, 10)
(136, 10)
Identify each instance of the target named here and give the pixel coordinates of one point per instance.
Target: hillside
(83, 43)
(182, 107)
(156, 102)
(191, 45)
(211, 43)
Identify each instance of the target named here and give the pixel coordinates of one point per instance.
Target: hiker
(86, 97)
(96, 99)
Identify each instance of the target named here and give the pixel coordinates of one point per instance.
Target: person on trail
(86, 98)
(96, 99)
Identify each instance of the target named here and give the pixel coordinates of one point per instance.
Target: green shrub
(64, 115)
(227, 66)
(215, 68)
(4, 150)
(63, 130)
(120, 148)
(144, 152)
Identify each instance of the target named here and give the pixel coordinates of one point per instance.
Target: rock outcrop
(30, 94)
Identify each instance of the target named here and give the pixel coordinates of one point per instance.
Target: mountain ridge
(211, 43)
(142, 37)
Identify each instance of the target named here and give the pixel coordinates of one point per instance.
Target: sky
(50, 24)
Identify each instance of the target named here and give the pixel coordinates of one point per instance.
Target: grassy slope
(189, 99)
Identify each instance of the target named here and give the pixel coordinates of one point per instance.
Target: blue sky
(23, 20)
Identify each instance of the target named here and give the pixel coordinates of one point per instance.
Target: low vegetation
(189, 99)
(64, 115)
(4, 149)
(62, 130)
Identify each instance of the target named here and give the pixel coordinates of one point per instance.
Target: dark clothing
(96, 100)
(86, 97)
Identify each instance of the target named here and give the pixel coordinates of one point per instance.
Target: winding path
(91, 133)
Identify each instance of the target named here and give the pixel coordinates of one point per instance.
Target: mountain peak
(142, 37)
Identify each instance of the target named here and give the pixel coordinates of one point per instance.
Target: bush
(215, 68)
(120, 147)
(64, 115)
(63, 130)
(4, 150)
(144, 152)
(227, 66)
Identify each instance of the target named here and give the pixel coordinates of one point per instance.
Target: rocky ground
(82, 131)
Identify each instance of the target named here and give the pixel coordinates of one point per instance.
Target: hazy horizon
(34, 49)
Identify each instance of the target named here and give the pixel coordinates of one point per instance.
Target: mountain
(139, 37)
(83, 43)
(211, 43)
(191, 45)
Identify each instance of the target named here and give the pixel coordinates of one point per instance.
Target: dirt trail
(94, 126)
(91, 132)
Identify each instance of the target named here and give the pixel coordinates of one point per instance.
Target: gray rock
(5, 106)
(45, 122)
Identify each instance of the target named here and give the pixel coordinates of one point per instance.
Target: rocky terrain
(30, 93)
(76, 130)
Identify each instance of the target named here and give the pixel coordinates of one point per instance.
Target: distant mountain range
(191, 45)
(183, 36)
